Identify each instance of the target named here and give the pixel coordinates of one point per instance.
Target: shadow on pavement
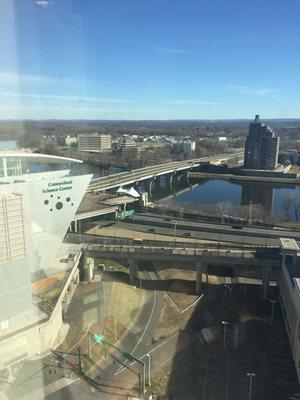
(229, 342)
(173, 285)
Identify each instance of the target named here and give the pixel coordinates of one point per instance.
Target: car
(167, 219)
(188, 234)
(151, 230)
(237, 227)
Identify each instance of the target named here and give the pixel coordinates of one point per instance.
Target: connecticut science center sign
(58, 186)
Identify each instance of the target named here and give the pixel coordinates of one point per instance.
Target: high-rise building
(262, 147)
(94, 143)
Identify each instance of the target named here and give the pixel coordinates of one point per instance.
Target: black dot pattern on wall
(59, 205)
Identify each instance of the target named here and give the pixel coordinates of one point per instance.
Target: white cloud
(15, 78)
(171, 50)
(43, 3)
(63, 97)
(252, 91)
(188, 102)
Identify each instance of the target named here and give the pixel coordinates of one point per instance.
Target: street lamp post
(250, 212)
(230, 292)
(225, 323)
(149, 368)
(273, 302)
(251, 376)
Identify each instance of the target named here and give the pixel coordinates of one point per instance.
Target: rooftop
(38, 158)
(288, 244)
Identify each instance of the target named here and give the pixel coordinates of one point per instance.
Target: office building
(128, 147)
(36, 210)
(70, 140)
(188, 146)
(94, 143)
(262, 147)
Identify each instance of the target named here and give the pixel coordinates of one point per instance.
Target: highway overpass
(196, 259)
(134, 176)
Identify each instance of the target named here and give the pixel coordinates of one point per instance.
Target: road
(147, 229)
(207, 231)
(138, 341)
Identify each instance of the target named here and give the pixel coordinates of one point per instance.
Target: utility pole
(80, 365)
(250, 212)
(142, 376)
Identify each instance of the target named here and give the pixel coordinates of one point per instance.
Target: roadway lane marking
(151, 351)
(80, 340)
(146, 327)
(124, 334)
(47, 390)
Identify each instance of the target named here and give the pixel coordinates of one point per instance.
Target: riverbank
(251, 178)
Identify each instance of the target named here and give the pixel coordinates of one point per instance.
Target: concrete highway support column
(200, 268)
(75, 225)
(266, 281)
(133, 270)
(172, 177)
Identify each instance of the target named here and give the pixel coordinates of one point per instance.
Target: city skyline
(158, 61)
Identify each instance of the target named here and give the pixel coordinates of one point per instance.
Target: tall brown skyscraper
(262, 147)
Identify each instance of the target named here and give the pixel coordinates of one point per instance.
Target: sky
(149, 59)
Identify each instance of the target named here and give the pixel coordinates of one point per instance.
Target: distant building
(70, 140)
(94, 143)
(293, 156)
(128, 147)
(188, 146)
(222, 138)
(262, 147)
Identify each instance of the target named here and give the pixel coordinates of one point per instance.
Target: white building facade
(35, 213)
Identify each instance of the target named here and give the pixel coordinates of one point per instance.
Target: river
(8, 144)
(210, 193)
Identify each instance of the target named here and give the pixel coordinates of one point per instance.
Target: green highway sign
(99, 338)
(124, 214)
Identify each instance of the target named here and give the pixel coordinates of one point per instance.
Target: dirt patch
(179, 300)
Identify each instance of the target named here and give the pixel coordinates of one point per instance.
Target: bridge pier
(73, 226)
(172, 178)
(151, 184)
(200, 268)
(266, 281)
(133, 270)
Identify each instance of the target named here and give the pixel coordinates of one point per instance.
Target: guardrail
(93, 239)
(172, 251)
(143, 173)
(231, 257)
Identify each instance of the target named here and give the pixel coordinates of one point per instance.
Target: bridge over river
(134, 176)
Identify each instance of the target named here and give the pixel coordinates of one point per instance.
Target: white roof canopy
(38, 158)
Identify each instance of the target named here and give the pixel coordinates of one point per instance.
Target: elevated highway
(137, 175)
(196, 259)
(192, 256)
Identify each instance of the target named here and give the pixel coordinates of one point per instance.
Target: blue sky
(149, 59)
